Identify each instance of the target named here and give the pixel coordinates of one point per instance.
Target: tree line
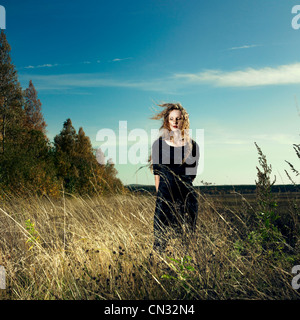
(29, 162)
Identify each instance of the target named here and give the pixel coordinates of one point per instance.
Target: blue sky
(234, 65)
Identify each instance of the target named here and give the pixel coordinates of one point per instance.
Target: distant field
(222, 189)
(233, 195)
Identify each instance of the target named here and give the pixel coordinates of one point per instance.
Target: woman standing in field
(174, 161)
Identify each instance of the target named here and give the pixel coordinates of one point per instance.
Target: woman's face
(175, 120)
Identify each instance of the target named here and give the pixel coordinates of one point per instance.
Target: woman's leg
(192, 207)
(160, 241)
(160, 225)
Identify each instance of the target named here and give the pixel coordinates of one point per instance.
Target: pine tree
(93, 176)
(33, 116)
(84, 161)
(77, 166)
(25, 157)
(35, 166)
(83, 145)
(65, 144)
(11, 119)
(66, 140)
(11, 99)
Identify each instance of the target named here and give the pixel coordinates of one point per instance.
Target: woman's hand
(156, 177)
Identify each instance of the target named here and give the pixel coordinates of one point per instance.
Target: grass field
(101, 248)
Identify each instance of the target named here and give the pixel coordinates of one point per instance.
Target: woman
(174, 161)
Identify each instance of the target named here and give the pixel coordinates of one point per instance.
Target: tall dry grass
(101, 248)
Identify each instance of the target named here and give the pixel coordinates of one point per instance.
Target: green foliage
(267, 234)
(77, 165)
(33, 118)
(181, 267)
(238, 247)
(34, 236)
(181, 273)
(29, 164)
(11, 98)
(292, 168)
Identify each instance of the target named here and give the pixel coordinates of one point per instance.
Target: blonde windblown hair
(165, 130)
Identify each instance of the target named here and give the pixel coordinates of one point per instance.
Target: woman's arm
(156, 177)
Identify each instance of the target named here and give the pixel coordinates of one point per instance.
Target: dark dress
(176, 203)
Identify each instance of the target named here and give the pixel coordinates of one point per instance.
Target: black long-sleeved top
(167, 161)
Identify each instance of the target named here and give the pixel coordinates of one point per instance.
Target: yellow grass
(101, 248)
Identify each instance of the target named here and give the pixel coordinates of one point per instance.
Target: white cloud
(249, 77)
(46, 65)
(244, 47)
(49, 65)
(281, 75)
(118, 59)
(63, 82)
